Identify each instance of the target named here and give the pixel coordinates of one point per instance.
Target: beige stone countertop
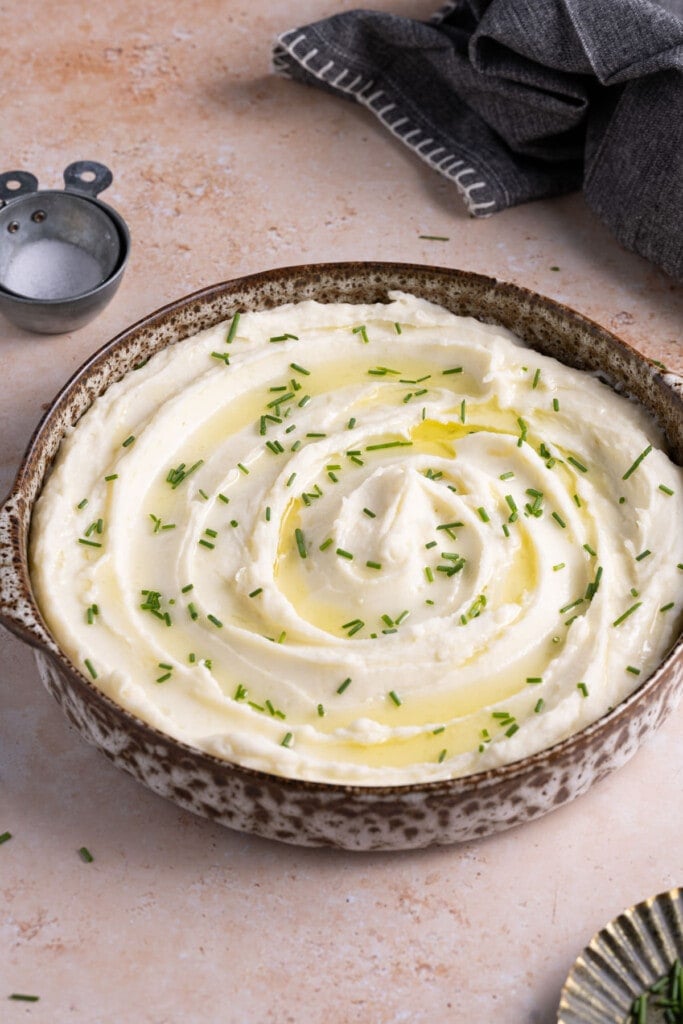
(220, 170)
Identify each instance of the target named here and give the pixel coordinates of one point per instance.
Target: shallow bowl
(323, 814)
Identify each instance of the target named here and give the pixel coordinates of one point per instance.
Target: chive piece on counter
(5, 837)
(233, 328)
(345, 685)
(86, 855)
(23, 998)
(634, 466)
(625, 615)
(435, 238)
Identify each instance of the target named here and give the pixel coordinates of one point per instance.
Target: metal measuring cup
(62, 253)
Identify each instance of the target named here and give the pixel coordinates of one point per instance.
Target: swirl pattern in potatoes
(373, 544)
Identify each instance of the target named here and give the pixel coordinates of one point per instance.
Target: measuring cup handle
(16, 183)
(87, 177)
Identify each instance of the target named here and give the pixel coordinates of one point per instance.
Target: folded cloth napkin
(515, 100)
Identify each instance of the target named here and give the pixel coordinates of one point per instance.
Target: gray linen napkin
(515, 100)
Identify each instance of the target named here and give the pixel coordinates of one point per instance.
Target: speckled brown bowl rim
(527, 314)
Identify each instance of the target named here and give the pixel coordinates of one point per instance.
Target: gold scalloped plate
(622, 960)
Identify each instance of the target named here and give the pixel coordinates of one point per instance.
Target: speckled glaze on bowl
(323, 814)
(623, 960)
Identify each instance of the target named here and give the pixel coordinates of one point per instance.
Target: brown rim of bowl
(15, 523)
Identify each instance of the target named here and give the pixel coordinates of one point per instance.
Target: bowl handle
(87, 177)
(17, 612)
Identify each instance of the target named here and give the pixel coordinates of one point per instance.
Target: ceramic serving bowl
(323, 814)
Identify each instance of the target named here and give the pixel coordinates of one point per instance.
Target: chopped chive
(558, 518)
(216, 622)
(512, 730)
(539, 705)
(89, 665)
(625, 615)
(255, 593)
(368, 512)
(577, 465)
(343, 686)
(463, 410)
(5, 837)
(506, 531)
(583, 688)
(112, 476)
(431, 544)
(129, 440)
(363, 333)
(388, 444)
(233, 328)
(22, 997)
(643, 554)
(351, 424)
(429, 573)
(374, 565)
(344, 554)
(321, 711)
(667, 607)
(506, 476)
(89, 543)
(453, 369)
(162, 679)
(634, 671)
(286, 740)
(435, 238)
(282, 637)
(556, 404)
(325, 544)
(634, 466)
(572, 604)
(234, 523)
(83, 503)
(267, 513)
(223, 357)
(211, 533)
(300, 542)
(300, 369)
(524, 427)
(449, 526)
(395, 698)
(194, 614)
(442, 756)
(534, 680)
(560, 565)
(537, 377)
(589, 549)
(206, 544)
(291, 480)
(240, 692)
(665, 489)
(483, 515)
(283, 337)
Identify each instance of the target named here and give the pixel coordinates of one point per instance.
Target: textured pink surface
(221, 169)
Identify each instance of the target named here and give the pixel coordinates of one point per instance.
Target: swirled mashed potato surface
(375, 544)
